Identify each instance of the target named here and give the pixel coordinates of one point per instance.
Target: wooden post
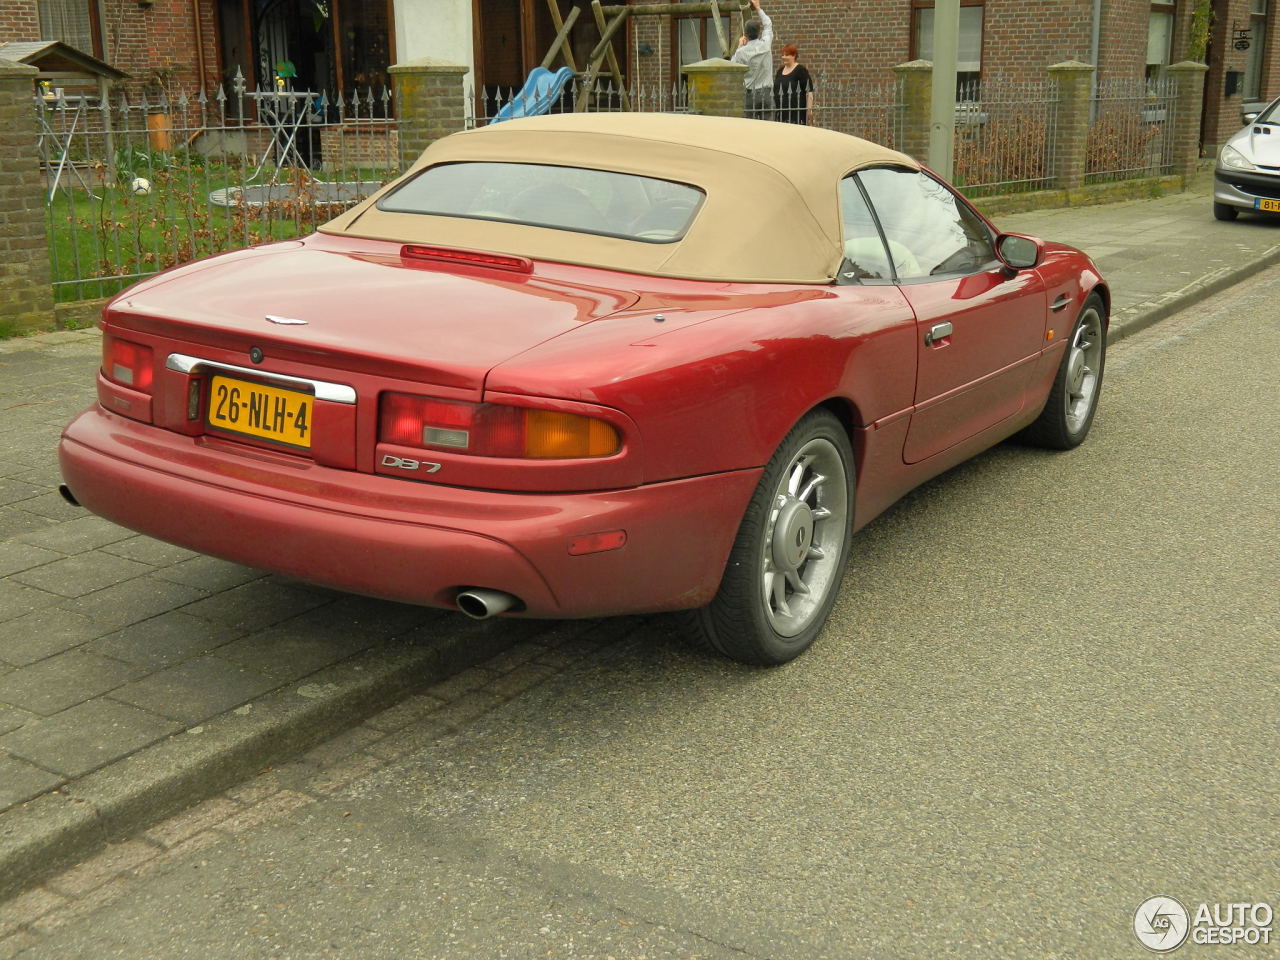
(562, 27)
(606, 41)
(562, 40)
(720, 34)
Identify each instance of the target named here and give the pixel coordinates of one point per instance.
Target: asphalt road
(1048, 693)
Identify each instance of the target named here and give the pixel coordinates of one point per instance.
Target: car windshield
(563, 198)
(1271, 114)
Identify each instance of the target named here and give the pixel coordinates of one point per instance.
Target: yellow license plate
(256, 410)
(1263, 203)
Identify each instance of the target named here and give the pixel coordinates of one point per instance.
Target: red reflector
(446, 255)
(597, 542)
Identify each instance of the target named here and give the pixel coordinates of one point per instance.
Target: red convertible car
(574, 366)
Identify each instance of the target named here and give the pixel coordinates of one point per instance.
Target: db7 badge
(405, 463)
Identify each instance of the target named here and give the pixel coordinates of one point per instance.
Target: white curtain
(68, 21)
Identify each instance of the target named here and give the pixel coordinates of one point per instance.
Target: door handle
(1061, 302)
(938, 331)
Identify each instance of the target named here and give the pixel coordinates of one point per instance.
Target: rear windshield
(563, 198)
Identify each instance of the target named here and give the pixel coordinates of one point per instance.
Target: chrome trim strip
(335, 392)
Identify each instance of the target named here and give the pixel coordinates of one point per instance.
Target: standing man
(755, 51)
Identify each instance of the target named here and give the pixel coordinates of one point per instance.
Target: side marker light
(597, 542)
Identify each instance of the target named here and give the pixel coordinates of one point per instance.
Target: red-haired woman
(792, 88)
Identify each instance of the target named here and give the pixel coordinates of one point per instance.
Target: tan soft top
(771, 212)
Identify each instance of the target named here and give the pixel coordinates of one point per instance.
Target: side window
(864, 252)
(930, 232)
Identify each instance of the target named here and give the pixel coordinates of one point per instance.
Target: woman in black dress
(792, 88)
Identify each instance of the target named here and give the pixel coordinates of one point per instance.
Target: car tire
(1224, 211)
(1073, 399)
(785, 568)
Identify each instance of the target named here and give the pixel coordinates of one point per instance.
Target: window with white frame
(969, 43)
(1159, 38)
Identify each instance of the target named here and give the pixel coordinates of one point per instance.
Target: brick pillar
(1189, 76)
(715, 87)
(1073, 81)
(915, 96)
(430, 97)
(26, 299)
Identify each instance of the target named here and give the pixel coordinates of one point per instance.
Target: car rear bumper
(404, 540)
(1241, 188)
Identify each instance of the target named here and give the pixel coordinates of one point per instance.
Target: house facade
(345, 45)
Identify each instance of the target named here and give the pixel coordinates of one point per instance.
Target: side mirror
(1019, 252)
(1248, 118)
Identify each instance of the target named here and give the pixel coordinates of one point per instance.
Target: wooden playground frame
(610, 18)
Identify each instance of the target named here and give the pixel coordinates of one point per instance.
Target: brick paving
(282, 789)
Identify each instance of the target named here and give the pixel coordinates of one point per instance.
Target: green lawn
(98, 245)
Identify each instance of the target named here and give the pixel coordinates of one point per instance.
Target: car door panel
(978, 324)
(978, 374)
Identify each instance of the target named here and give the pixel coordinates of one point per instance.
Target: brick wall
(139, 40)
(866, 40)
(26, 299)
(1021, 39)
(344, 147)
(18, 21)
(1122, 52)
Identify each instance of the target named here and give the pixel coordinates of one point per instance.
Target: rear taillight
(127, 363)
(493, 430)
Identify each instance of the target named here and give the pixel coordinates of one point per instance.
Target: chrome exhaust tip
(480, 604)
(67, 495)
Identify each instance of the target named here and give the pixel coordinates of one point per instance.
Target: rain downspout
(200, 64)
(1095, 39)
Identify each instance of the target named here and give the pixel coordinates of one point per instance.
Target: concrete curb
(57, 830)
(1140, 316)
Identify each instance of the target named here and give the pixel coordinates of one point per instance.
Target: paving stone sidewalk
(137, 678)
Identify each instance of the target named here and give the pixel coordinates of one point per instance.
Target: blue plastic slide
(540, 91)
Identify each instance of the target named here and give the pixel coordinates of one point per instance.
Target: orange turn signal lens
(550, 435)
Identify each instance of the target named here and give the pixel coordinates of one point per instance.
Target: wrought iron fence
(1005, 136)
(868, 110)
(135, 187)
(495, 104)
(1132, 129)
(871, 111)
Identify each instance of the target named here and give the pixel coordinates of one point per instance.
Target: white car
(1247, 176)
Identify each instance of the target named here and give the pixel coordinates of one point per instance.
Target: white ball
(140, 186)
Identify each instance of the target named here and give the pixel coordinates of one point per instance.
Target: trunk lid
(358, 306)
